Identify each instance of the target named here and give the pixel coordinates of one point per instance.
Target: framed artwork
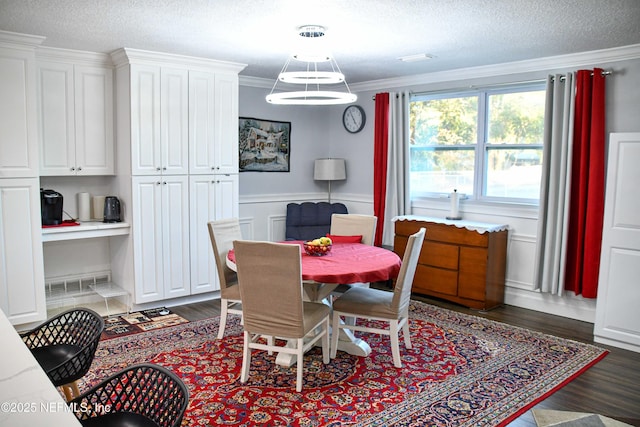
(264, 146)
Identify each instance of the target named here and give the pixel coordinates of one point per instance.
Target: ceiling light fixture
(312, 52)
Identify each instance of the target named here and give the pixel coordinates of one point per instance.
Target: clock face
(353, 118)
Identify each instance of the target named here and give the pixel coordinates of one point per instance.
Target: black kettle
(112, 209)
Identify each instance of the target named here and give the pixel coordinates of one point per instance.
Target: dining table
(346, 264)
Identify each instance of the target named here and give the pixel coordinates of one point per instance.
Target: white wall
(318, 132)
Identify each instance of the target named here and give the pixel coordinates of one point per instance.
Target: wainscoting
(263, 217)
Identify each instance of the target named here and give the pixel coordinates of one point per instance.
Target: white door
(56, 119)
(175, 235)
(617, 315)
(202, 142)
(174, 121)
(18, 121)
(212, 197)
(94, 120)
(226, 123)
(22, 293)
(147, 238)
(146, 157)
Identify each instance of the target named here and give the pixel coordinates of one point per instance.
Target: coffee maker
(51, 207)
(112, 210)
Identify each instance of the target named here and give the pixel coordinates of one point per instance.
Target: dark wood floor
(610, 388)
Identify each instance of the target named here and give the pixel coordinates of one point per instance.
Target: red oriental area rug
(462, 371)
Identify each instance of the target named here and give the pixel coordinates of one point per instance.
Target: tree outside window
(486, 144)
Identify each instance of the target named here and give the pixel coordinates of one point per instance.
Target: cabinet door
(56, 119)
(94, 121)
(175, 236)
(204, 277)
(147, 238)
(212, 197)
(174, 121)
(146, 157)
(22, 293)
(18, 121)
(226, 123)
(202, 123)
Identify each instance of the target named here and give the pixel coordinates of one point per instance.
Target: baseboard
(564, 306)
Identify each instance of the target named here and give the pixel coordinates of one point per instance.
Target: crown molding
(77, 56)
(20, 41)
(127, 55)
(531, 65)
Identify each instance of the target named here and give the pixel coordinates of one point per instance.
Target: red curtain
(587, 185)
(380, 144)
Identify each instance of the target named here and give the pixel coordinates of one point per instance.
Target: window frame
(481, 147)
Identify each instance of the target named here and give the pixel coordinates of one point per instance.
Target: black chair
(65, 345)
(309, 220)
(141, 395)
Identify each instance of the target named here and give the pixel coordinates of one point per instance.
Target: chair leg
(246, 358)
(325, 342)
(395, 345)
(406, 333)
(335, 332)
(224, 306)
(299, 362)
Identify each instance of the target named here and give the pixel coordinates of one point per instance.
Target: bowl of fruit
(318, 247)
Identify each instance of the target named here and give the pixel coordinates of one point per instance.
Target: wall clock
(353, 118)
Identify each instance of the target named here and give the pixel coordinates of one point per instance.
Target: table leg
(347, 341)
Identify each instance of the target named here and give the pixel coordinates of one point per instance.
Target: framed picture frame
(264, 145)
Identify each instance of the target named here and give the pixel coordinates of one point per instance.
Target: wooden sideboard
(460, 261)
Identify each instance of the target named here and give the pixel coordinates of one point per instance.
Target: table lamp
(329, 170)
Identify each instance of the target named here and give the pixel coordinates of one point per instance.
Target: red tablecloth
(347, 263)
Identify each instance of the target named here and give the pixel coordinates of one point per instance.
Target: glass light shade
(329, 170)
(312, 97)
(311, 77)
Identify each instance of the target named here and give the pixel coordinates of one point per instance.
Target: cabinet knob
(158, 169)
(164, 183)
(213, 168)
(72, 169)
(164, 168)
(158, 183)
(79, 168)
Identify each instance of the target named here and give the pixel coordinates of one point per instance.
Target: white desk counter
(27, 396)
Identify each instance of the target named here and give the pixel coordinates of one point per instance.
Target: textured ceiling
(366, 36)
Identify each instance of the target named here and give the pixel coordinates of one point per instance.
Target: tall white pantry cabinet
(22, 293)
(177, 169)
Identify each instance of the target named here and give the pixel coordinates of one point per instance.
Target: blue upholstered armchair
(309, 220)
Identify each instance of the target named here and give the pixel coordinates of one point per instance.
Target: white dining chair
(270, 279)
(222, 234)
(353, 225)
(376, 304)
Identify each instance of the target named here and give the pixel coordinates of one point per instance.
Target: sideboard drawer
(439, 255)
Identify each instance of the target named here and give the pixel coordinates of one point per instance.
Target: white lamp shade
(329, 170)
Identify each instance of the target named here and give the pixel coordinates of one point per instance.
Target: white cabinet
(213, 123)
(18, 122)
(75, 118)
(617, 315)
(211, 197)
(177, 120)
(160, 237)
(22, 293)
(159, 120)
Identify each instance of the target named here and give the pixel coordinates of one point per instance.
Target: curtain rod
(604, 73)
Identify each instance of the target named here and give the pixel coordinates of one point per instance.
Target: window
(486, 144)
